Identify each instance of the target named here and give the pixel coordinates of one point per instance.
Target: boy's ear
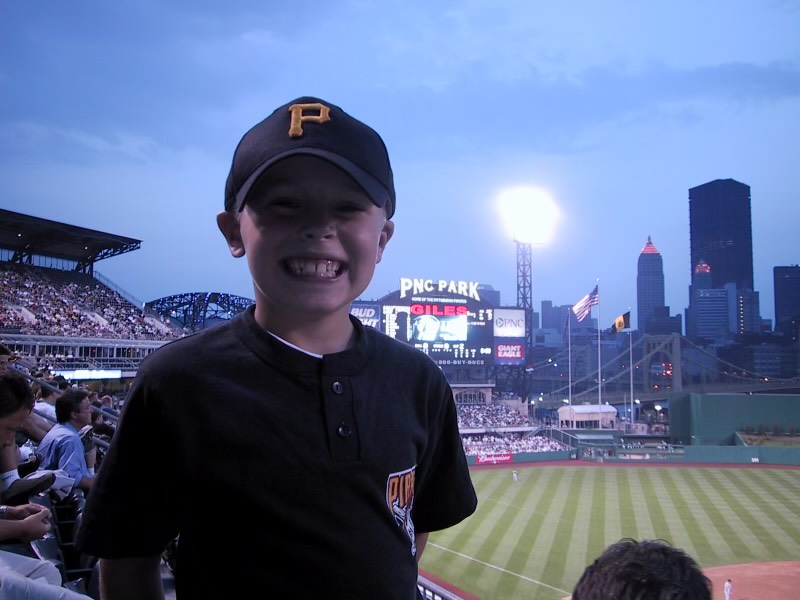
(386, 235)
(228, 224)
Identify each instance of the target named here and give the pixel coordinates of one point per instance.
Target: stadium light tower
(529, 216)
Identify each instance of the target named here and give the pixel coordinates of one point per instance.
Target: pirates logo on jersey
(400, 501)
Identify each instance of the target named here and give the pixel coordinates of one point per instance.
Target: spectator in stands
(653, 569)
(24, 577)
(107, 406)
(340, 444)
(16, 403)
(99, 426)
(46, 404)
(41, 302)
(25, 523)
(6, 357)
(62, 447)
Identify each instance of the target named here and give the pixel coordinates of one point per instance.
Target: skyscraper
(787, 300)
(649, 285)
(720, 232)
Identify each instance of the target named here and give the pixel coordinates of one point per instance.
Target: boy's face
(312, 237)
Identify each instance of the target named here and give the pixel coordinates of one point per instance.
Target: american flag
(584, 306)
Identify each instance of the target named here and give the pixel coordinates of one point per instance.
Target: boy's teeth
(319, 268)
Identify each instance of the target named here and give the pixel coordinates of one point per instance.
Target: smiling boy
(291, 438)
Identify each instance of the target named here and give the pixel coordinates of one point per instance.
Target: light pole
(529, 216)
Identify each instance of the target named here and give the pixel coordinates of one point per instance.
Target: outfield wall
(524, 457)
(713, 419)
(734, 455)
(742, 455)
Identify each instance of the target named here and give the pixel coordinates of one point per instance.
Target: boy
(291, 439)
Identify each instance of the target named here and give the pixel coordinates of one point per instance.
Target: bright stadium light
(528, 213)
(529, 216)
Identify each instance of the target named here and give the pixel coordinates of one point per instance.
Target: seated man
(16, 402)
(629, 570)
(23, 576)
(62, 447)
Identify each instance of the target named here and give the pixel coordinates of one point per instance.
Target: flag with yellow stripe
(621, 322)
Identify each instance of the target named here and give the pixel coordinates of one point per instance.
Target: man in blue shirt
(62, 447)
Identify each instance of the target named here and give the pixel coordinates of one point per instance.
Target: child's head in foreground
(308, 200)
(645, 570)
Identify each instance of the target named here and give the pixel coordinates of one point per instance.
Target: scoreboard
(447, 320)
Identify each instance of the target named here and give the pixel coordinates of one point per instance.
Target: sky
(123, 117)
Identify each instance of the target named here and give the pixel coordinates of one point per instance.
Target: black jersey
(270, 462)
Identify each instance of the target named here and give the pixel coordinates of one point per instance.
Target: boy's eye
(278, 204)
(351, 207)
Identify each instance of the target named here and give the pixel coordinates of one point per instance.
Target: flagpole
(599, 367)
(630, 366)
(569, 354)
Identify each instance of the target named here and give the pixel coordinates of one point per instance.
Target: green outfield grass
(532, 539)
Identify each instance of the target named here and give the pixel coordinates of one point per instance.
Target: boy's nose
(318, 229)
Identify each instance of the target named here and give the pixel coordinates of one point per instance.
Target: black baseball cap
(313, 127)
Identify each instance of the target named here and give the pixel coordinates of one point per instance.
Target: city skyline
(124, 119)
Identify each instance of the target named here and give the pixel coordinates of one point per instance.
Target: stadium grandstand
(57, 311)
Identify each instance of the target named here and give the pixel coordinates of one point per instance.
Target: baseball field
(533, 538)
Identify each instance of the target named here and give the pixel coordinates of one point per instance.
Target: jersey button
(344, 431)
(337, 388)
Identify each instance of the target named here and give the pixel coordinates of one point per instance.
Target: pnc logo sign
(509, 322)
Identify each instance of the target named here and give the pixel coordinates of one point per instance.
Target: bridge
(663, 364)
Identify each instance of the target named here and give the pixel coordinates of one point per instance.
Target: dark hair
(68, 403)
(5, 350)
(646, 570)
(15, 393)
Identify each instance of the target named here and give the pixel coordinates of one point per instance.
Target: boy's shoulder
(196, 348)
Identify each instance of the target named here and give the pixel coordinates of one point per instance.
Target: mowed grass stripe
(661, 484)
(597, 502)
(627, 510)
(482, 580)
(784, 493)
(716, 525)
(743, 526)
(730, 518)
(783, 532)
(508, 519)
(611, 489)
(556, 529)
(787, 479)
(643, 526)
(530, 560)
(528, 550)
(678, 487)
(470, 535)
(654, 509)
(701, 507)
(585, 527)
(784, 487)
(523, 544)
